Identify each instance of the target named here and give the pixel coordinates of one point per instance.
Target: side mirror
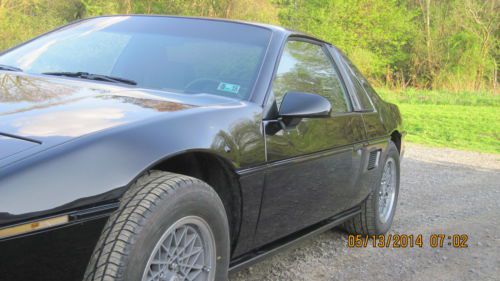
(304, 105)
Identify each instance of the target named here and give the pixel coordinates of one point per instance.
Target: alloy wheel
(387, 190)
(185, 252)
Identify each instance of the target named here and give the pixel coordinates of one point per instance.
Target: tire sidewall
(190, 200)
(393, 153)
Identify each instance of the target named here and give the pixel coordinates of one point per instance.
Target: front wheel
(377, 211)
(168, 227)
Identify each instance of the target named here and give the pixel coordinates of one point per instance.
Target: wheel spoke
(186, 251)
(192, 275)
(196, 251)
(154, 275)
(386, 190)
(182, 250)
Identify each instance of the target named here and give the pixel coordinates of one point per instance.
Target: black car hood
(10, 145)
(51, 110)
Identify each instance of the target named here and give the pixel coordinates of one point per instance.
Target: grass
(469, 121)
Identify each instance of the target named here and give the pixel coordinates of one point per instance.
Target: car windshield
(173, 54)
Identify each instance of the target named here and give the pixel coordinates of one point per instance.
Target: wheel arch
(396, 138)
(217, 172)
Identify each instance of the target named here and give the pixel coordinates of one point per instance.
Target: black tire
(152, 204)
(368, 222)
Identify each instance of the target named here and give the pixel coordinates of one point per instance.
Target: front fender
(98, 168)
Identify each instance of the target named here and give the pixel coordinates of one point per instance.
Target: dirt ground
(442, 191)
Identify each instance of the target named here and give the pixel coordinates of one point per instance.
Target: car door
(310, 164)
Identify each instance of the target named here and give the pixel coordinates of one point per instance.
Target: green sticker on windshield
(226, 87)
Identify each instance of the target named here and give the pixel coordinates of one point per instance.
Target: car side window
(305, 67)
(360, 84)
(361, 94)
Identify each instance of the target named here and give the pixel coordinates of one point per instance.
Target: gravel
(442, 191)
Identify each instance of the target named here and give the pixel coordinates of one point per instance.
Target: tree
(374, 33)
(440, 44)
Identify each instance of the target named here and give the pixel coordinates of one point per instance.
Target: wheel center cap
(173, 267)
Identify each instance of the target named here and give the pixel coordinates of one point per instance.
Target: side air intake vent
(373, 159)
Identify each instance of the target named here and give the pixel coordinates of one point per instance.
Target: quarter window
(360, 84)
(305, 67)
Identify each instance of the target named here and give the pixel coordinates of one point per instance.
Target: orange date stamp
(438, 240)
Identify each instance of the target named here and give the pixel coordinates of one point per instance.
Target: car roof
(274, 28)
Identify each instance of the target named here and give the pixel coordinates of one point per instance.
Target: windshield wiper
(10, 68)
(90, 76)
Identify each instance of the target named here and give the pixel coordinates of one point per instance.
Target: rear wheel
(377, 211)
(169, 227)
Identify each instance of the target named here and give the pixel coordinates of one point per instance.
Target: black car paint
(298, 105)
(84, 171)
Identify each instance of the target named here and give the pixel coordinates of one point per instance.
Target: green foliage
(374, 34)
(464, 127)
(21, 20)
(461, 120)
(419, 97)
(439, 44)
(456, 46)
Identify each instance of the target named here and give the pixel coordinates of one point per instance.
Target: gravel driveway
(442, 191)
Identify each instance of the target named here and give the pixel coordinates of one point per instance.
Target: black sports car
(170, 148)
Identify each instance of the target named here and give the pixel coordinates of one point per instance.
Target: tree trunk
(495, 73)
